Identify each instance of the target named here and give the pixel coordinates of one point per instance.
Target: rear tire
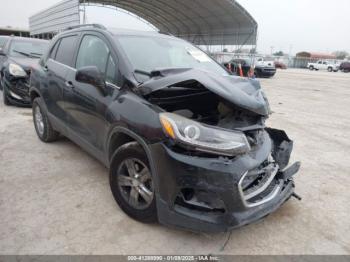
(42, 123)
(311, 68)
(330, 69)
(132, 184)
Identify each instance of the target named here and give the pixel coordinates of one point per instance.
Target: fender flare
(34, 89)
(136, 137)
(141, 141)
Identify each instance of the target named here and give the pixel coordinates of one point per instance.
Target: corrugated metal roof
(203, 22)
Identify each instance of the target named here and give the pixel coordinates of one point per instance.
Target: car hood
(25, 62)
(242, 92)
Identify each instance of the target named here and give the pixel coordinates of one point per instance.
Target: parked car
(323, 65)
(3, 41)
(185, 142)
(16, 59)
(260, 70)
(345, 67)
(280, 65)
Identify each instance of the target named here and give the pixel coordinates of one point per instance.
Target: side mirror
(92, 76)
(2, 53)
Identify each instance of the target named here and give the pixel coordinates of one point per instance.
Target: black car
(185, 142)
(3, 41)
(260, 71)
(16, 58)
(345, 67)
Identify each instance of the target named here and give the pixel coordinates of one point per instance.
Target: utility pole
(84, 13)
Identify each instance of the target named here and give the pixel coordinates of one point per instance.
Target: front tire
(42, 124)
(132, 184)
(330, 69)
(5, 98)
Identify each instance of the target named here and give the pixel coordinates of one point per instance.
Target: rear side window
(66, 50)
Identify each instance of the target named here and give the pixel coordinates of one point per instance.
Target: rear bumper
(214, 200)
(17, 91)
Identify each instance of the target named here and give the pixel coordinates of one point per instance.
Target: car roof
(122, 31)
(115, 31)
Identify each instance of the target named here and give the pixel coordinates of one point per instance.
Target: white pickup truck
(323, 65)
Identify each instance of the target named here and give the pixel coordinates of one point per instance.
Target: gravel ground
(55, 198)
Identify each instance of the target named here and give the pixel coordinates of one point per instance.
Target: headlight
(17, 70)
(202, 137)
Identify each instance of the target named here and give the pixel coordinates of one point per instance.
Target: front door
(86, 105)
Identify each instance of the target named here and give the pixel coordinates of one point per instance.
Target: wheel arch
(120, 136)
(34, 93)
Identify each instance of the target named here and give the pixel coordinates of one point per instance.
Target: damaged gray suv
(185, 142)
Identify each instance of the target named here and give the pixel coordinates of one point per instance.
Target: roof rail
(86, 25)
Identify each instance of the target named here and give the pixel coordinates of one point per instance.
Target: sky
(286, 25)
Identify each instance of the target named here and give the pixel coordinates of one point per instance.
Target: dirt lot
(55, 199)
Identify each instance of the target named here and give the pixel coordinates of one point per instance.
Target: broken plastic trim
(268, 198)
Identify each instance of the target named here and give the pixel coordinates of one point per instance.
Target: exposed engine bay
(226, 104)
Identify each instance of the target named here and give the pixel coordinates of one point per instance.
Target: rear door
(86, 105)
(57, 67)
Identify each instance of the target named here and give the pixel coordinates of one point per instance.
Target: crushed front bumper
(219, 194)
(17, 91)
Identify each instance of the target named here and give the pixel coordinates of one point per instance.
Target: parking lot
(55, 198)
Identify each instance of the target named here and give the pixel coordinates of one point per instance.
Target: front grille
(269, 70)
(260, 185)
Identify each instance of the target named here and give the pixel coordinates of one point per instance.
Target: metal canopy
(203, 22)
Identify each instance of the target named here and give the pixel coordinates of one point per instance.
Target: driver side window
(93, 51)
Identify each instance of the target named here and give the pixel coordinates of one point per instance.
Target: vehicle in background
(260, 61)
(280, 65)
(261, 70)
(16, 59)
(345, 67)
(185, 142)
(323, 65)
(3, 41)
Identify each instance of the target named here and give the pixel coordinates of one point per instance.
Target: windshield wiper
(36, 54)
(22, 53)
(142, 72)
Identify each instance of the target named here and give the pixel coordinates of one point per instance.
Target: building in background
(303, 58)
(14, 31)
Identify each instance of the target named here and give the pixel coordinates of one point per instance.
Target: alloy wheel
(135, 183)
(39, 122)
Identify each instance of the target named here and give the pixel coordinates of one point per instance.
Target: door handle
(69, 84)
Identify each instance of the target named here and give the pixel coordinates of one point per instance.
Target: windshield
(148, 53)
(27, 48)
